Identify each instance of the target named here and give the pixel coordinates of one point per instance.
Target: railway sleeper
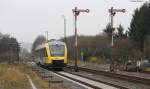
(56, 82)
(44, 76)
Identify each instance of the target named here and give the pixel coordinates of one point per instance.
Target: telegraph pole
(64, 27)
(16, 46)
(76, 13)
(46, 35)
(112, 13)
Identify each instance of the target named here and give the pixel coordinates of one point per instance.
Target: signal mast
(76, 13)
(112, 13)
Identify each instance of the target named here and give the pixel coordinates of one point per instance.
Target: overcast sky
(26, 19)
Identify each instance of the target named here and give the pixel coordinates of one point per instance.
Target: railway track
(94, 84)
(101, 83)
(84, 81)
(134, 79)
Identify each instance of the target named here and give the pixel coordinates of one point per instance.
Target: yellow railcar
(52, 54)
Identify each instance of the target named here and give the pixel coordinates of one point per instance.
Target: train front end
(57, 57)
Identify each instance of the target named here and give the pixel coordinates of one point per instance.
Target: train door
(49, 59)
(45, 55)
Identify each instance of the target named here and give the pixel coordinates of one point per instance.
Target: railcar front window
(57, 50)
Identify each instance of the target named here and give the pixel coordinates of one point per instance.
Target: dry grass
(14, 76)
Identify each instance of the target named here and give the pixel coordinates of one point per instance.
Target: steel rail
(76, 80)
(92, 86)
(134, 79)
(120, 87)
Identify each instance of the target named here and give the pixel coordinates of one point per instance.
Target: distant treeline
(9, 48)
(99, 46)
(129, 44)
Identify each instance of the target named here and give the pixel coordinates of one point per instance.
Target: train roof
(56, 42)
(51, 42)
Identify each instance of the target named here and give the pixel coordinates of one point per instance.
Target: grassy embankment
(14, 76)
